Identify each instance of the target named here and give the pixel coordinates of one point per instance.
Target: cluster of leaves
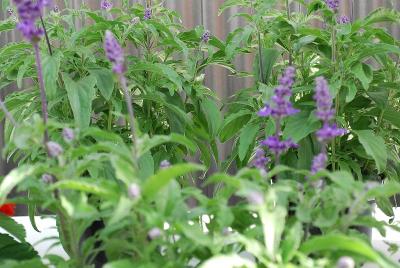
(152, 216)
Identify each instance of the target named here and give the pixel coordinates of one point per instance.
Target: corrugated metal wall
(205, 12)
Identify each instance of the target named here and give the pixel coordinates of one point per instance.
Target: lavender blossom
(325, 112)
(134, 191)
(154, 233)
(260, 160)
(68, 134)
(106, 5)
(277, 146)
(279, 108)
(165, 164)
(135, 20)
(280, 104)
(343, 20)
(148, 14)
(114, 53)
(333, 4)
(255, 198)
(28, 12)
(47, 178)
(54, 149)
(319, 163)
(205, 38)
(345, 262)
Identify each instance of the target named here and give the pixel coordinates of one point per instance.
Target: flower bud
(135, 20)
(154, 233)
(134, 191)
(47, 178)
(68, 134)
(255, 198)
(165, 164)
(345, 262)
(54, 149)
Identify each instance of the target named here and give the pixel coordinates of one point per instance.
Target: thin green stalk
(288, 17)
(333, 41)
(128, 100)
(260, 58)
(110, 116)
(43, 97)
(46, 36)
(7, 113)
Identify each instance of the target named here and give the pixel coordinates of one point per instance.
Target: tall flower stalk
(115, 55)
(329, 130)
(279, 108)
(29, 12)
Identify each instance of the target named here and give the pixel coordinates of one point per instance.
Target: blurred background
(205, 12)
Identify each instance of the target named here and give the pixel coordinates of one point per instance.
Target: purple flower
(147, 14)
(324, 100)
(54, 149)
(47, 178)
(114, 53)
(277, 146)
(329, 132)
(154, 233)
(255, 198)
(260, 160)
(206, 36)
(106, 5)
(280, 105)
(319, 162)
(134, 191)
(165, 164)
(28, 12)
(345, 262)
(343, 19)
(68, 134)
(333, 4)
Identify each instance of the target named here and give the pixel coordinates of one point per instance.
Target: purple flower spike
(114, 53)
(28, 12)
(319, 162)
(54, 149)
(106, 5)
(206, 37)
(260, 160)
(280, 105)
(324, 100)
(333, 4)
(329, 132)
(147, 14)
(343, 20)
(277, 146)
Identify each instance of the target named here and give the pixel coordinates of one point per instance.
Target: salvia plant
(116, 135)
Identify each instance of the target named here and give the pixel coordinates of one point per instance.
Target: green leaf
(12, 227)
(146, 143)
(213, 116)
(13, 250)
(364, 73)
(51, 68)
(269, 58)
(292, 241)
(339, 242)
(233, 123)
(374, 146)
(247, 137)
(15, 177)
(385, 205)
(120, 264)
(300, 126)
(100, 188)
(158, 181)
(105, 81)
(81, 95)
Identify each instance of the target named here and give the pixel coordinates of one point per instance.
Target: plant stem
(46, 36)
(260, 58)
(128, 100)
(288, 17)
(333, 41)
(110, 117)
(7, 113)
(43, 97)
